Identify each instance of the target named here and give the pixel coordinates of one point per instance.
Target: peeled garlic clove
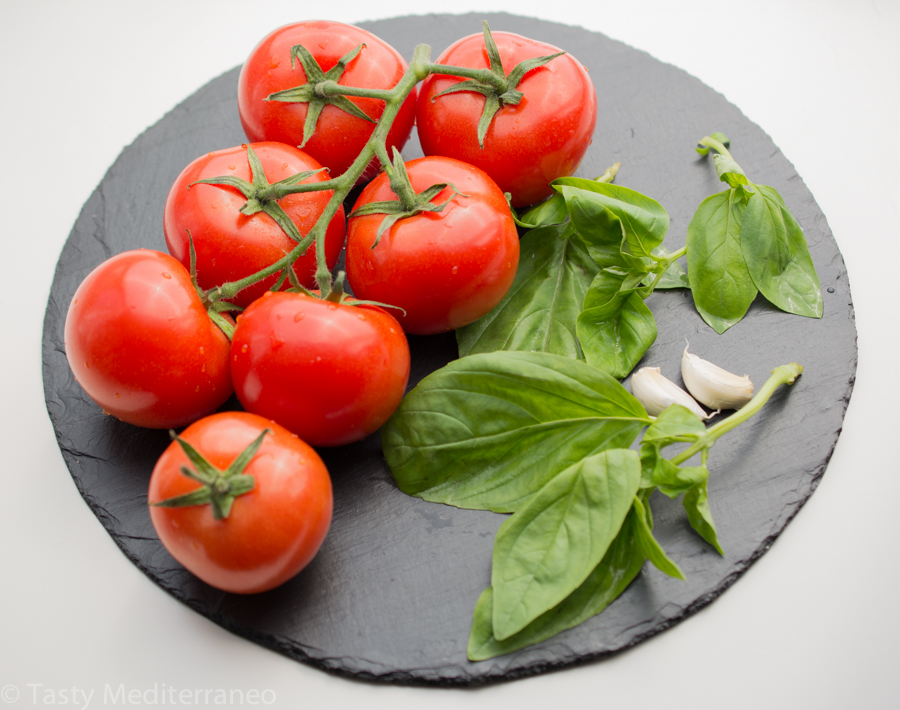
(713, 386)
(655, 392)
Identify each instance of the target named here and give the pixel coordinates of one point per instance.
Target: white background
(814, 624)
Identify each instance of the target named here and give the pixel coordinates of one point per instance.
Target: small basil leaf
(675, 423)
(549, 547)
(673, 277)
(601, 230)
(644, 219)
(539, 311)
(550, 211)
(649, 545)
(721, 284)
(615, 341)
(778, 257)
(729, 171)
(696, 504)
(487, 431)
(622, 563)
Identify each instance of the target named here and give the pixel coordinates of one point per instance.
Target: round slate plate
(390, 596)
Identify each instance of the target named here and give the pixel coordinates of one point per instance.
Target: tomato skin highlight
(141, 344)
(339, 137)
(231, 245)
(543, 137)
(331, 373)
(272, 532)
(445, 269)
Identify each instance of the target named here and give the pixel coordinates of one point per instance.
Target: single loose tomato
(339, 136)
(330, 372)
(444, 269)
(231, 245)
(141, 344)
(528, 144)
(271, 532)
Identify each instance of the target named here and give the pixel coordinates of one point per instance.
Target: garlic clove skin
(656, 392)
(713, 386)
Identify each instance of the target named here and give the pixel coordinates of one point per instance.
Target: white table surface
(814, 624)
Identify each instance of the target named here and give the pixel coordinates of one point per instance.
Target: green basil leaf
(550, 211)
(673, 277)
(675, 423)
(622, 563)
(488, 431)
(644, 220)
(616, 340)
(539, 311)
(729, 171)
(721, 284)
(696, 504)
(601, 230)
(549, 547)
(778, 257)
(649, 545)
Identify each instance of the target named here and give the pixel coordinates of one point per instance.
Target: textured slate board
(390, 596)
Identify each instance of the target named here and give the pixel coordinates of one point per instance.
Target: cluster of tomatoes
(241, 498)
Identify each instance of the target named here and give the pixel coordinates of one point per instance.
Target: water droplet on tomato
(454, 269)
(197, 388)
(201, 350)
(203, 367)
(86, 365)
(299, 317)
(361, 316)
(332, 306)
(244, 348)
(166, 276)
(232, 167)
(117, 395)
(318, 358)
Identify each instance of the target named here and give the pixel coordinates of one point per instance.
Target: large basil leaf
(549, 547)
(622, 563)
(644, 220)
(488, 431)
(777, 255)
(720, 282)
(538, 313)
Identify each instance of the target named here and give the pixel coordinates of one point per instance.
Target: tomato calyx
(408, 202)
(314, 92)
(219, 488)
(498, 88)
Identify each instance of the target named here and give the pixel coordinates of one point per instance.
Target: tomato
(445, 269)
(528, 144)
(141, 344)
(271, 532)
(331, 373)
(339, 136)
(231, 245)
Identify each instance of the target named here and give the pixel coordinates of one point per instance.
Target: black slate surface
(390, 596)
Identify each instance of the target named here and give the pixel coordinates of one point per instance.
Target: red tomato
(231, 245)
(339, 137)
(529, 144)
(445, 269)
(141, 344)
(272, 532)
(331, 373)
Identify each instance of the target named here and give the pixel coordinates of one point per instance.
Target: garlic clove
(713, 386)
(656, 392)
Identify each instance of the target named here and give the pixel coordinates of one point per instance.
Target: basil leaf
(673, 277)
(622, 563)
(696, 504)
(675, 423)
(539, 311)
(488, 431)
(601, 230)
(616, 340)
(721, 284)
(778, 257)
(550, 211)
(729, 171)
(644, 220)
(649, 545)
(549, 547)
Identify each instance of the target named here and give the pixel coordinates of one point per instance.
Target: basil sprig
(548, 439)
(743, 241)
